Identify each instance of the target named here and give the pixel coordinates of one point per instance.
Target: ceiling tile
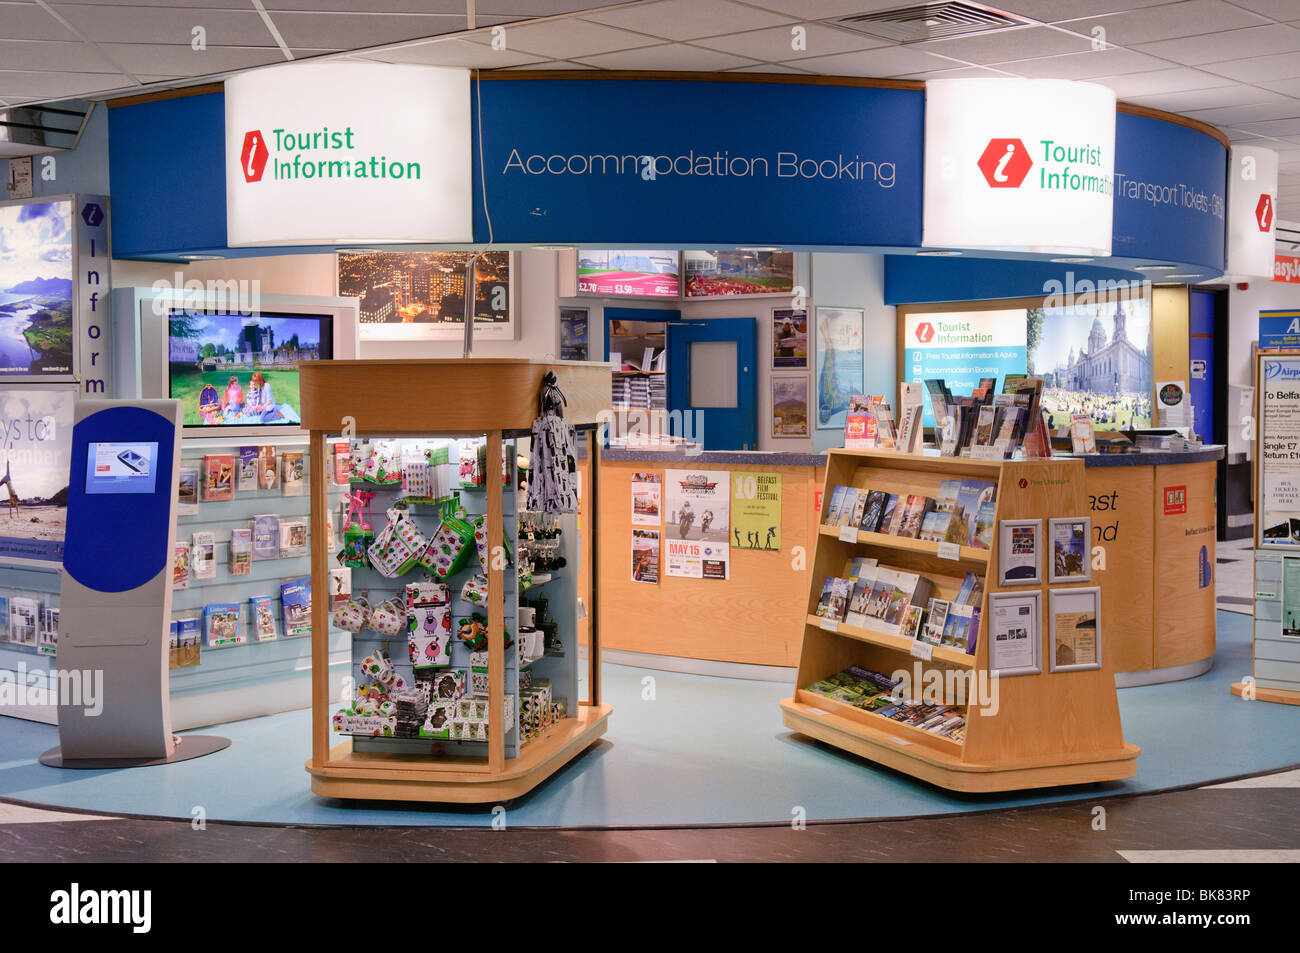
(965, 72)
(27, 21)
(1236, 115)
(775, 68)
(551, 64)
(1050, 11)
(1277, 9)
(519, 9)
(1188, 18)
(456, 7)
(690, 19)
(142, 24)
(1288, 87)
(1111, 62)
(669, 56)
(71, 57)
(1002, 45)
(775, 44)
(1258, 68)
(1173, 80)
(174, 60)
(889, 61)
(1230, 45)
(1271, 127)
(352, 31)
(567, 39)
(453, 53)
(826, 9)
(1236, 95)
(31, 84)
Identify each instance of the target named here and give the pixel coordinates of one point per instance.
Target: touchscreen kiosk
(114, 707)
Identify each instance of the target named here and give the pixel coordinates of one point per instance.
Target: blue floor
(705, 751)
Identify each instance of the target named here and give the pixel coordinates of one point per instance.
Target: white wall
(847, 280)
(857, 281)
(535, 284)
(1243, 321)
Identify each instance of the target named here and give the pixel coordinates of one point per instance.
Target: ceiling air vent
(929, 21)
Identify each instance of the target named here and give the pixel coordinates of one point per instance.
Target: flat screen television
(236, 370)
(726, 274)
(629, 272)
(36, 290)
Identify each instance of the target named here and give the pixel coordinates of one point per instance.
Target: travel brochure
(961, 513)
(898, 602)
(877, 693)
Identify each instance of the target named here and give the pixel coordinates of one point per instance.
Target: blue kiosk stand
(116, 595)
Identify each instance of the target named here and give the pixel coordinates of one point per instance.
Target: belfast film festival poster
(698, 523)
(756, 511)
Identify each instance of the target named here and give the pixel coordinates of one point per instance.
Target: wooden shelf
(878, 725)
(969, 554)
(1027, 731)
(399, 777)
(942, 653)
(955, 773)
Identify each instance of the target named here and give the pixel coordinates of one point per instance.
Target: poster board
(1277, 451)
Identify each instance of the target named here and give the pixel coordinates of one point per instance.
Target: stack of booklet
(961, 513)
(876, 692)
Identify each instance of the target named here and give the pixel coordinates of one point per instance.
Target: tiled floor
(1234, 576)
(1255, 822)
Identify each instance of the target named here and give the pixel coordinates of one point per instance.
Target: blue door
(712, 382)
(1201, 372)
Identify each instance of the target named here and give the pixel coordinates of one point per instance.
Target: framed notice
(1277, 493)
(1015, 643)
(1071, 542)
(790, 406)
(789, 339)
(1020, 552)
(575, 337)
(1074, 617)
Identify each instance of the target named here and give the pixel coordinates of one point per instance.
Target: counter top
(715, 458)
(1151, 458)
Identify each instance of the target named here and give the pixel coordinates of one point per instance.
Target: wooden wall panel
(1120, 502)
(754, 617)
(1184, 609)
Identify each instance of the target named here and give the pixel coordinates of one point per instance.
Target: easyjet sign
(1286, 268)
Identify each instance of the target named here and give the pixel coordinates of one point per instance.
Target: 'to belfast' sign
(340, 153)
(1019, 165)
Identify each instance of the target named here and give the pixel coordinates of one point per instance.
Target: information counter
(750, 617)
(1154, 515)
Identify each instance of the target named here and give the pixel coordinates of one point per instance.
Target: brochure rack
(488, 399)
(1051, 728)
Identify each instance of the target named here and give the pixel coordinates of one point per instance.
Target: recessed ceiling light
(758, 248)
(201, 257)
(938, 254)
(1197, 275)
(555, 248)
(1070, 261)
(1155, 268)
(359, 251)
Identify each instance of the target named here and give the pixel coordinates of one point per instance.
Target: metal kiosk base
(187, 747)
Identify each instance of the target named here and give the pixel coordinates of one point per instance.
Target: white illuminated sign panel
(344, 153)
(1252, 200)
(1019, 165)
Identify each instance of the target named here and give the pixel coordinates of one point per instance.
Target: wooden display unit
(473, 398)
(1053, 728)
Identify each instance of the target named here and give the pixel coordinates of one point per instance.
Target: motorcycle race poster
(697, 524)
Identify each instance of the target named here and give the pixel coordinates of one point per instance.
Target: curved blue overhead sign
(683, 163)
(1171, 188)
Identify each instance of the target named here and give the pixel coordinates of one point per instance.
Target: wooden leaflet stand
(466, 398)
(1052, 728)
